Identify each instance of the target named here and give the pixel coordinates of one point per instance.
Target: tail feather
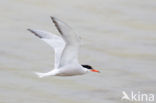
(40, 75)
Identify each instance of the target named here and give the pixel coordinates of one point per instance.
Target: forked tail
(40, 75)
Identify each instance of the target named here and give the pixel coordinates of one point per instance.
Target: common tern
(66, 50)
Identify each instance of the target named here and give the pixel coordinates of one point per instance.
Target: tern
(66, 48)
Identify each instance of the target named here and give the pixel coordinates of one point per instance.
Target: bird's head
(90, 68)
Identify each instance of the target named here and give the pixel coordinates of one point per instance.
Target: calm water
(118, 38)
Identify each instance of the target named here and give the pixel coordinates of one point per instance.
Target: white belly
(70, 71)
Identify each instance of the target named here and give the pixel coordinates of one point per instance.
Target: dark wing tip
(54, 20)
(52, 17)
(56, 24)
(32, 31)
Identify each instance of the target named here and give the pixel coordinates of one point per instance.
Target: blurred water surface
(118, 38)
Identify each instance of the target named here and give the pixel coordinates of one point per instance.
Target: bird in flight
(66, 48)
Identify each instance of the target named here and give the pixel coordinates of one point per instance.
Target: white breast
(70, 70)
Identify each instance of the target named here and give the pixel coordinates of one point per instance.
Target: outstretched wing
(70, 52)
(56, 42)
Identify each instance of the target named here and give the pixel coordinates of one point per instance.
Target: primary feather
(70, 52)
(56, 42)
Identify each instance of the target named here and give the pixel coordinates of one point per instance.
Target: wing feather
(70, 52)
(56, 42)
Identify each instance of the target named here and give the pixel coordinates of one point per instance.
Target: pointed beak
(94, 70)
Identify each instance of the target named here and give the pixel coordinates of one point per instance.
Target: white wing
(56, 42)
(70, 52)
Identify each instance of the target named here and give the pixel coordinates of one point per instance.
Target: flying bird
(66, 48)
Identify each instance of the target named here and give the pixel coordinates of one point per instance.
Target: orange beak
(94, 70)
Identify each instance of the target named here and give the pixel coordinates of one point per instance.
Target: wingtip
(55, 21)
(52, 18)
(32, 31)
